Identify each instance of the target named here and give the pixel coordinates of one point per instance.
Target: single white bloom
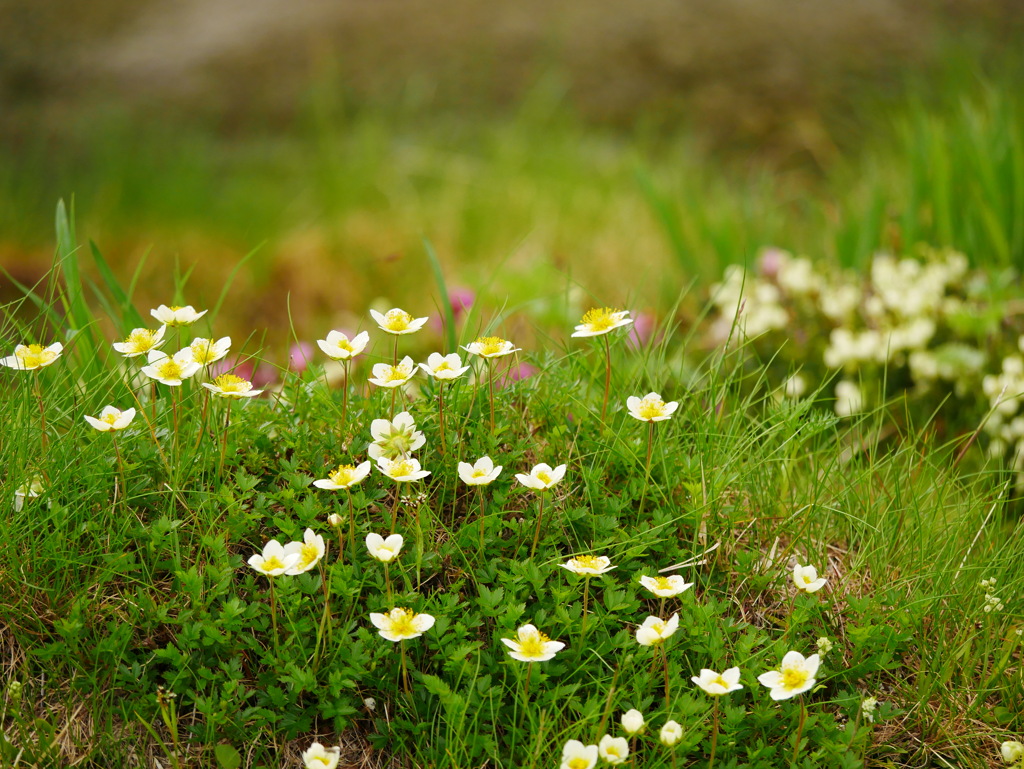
(806, 579)
(531, 645)
(111, 418)
(337, 346)
(794, 387)
(633, 721)
(794, 676)
(666, 587)
(231, 386)
(29, 357)
(386, 375)
(576, 755)
(140, 341)
(310, 551)
(344, 477)
(671, 733)
(273, 561)
(319, 757)
(401, 624)
(444, 366)
(849, 399)
(171, 369)
(599, 321)
(207, 351)
(867, 709)
(650, 408)
(396, 438)
(542, 477)
(490, 347)
(396, 321)
(717, 684)
(588, 565)
(30, 489)
(480, 473)
(614, 750)
(1012, 751)
(177, 316)
(384, 550)
(654, 630)
(402, 470)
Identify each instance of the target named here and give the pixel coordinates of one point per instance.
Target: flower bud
(334, 520)
(671, 733)
(633, 721)
(1012, 751)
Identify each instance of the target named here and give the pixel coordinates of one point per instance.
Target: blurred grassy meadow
(633, 154)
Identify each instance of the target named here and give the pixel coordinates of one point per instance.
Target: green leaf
(227, 757)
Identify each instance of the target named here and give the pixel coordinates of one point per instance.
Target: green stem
(405, 671)
(664, 660)
(344, 406)
(394, 509)
(480, 493)
(714, 737)
(42, 409)
(273, 615)
(799, 731)
(607, 376)
(351, 526)
(536, 533)
(440, 408)
(490, 387)
(586, 596)
(120, 468)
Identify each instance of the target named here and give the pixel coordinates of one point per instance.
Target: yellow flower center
(397, 320)
(720, 681)
(794, 678)
(398, 469)
(34, 355)
(649, 409)
(533, 645)
(344, 344)
(396, 374)
(479, 473)
(141, 340)
(587, 562)
(272, 563)
(308, 554)
(110, 418)
(490, 345)
(169, 369)
(612, 750)
(202, 351)
(322, 760)
(443, 366)
(662, 583)
(806, 579)
(579, 763)
(229, 383)
(658, 627)
(544, 477)
(401, 622)
(175, 307)
(343, 475)
(599, 319)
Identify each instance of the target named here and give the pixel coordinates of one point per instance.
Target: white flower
(177, 316)
(444, 366)
(30, 489)
(576, 755)
(1013, 751)
(614, 750)
(111, 418)
(140, 341)
(542, 477)
(231, 386)
(794, 387)
(337, 346)
(794, 676)
(29, 357)
(384, 550)
(319, 757)
(402, 470)
(588, 565)
(531, 645)
(666, 587)
(401, 624)
(654, 630)
(171, 370)
(867, 709)
(633, 721)
(490, 347)
(671, 733)
(207, 351)
(599, 321)
(334, 519)
(806, 579)
(717, 684)
(396, 438)
(310, 551)
(650, 408)
(396, 321)
(273, 561)
(386, 375)
(344, 477)
(849, 399)
(480, 473)
(824, 646)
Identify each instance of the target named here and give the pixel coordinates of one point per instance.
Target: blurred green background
(629, 150)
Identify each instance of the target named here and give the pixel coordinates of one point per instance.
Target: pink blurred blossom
(642, 329)
(460, 299)
(516, 373)
(300, 355)
(770, 261)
